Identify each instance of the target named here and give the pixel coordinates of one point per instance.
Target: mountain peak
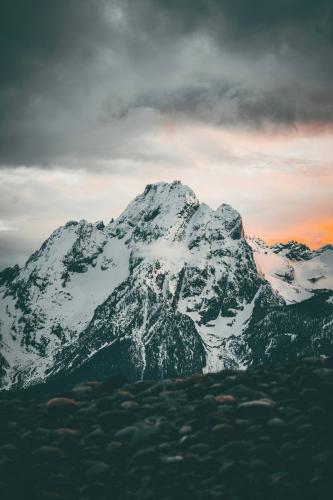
(232, 220)
(293, 250)
(162, 210)
(324, 248)
(161, 186)
(228, 212)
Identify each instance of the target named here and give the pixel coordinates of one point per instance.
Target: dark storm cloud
(87, 78)
(45, 48)
(239, 20)
(292, 38)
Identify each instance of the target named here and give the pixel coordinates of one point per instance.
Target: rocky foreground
(259, 434)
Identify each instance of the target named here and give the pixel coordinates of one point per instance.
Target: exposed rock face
(171, 287)
(293, 250)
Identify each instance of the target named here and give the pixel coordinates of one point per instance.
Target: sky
(100, 97)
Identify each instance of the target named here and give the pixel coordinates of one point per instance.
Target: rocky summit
(255, 434)
(169, 288)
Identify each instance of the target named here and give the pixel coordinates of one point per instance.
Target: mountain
(292, 269)
(169, 288)
(303, 326)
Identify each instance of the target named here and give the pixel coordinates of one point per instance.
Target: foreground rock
(263, 433)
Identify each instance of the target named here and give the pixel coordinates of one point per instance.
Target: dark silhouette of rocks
(256, 434)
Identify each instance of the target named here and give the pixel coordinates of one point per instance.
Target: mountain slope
(292, 269)
(285, 333)
(171, 287)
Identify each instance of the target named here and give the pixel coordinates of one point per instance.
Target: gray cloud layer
(86, 79)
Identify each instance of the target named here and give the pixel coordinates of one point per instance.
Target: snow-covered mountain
(292, 269)
(171, 287)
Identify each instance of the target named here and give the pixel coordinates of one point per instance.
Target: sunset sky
(100, 97)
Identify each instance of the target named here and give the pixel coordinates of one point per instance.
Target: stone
(209, 398)
(325, 374)
(314, 361)
(222, 430)
(309, 395)
(82, 392)
(115, 419)
(276, 423)
(49, 453)
(93, 491)
(126, 433)
(97, 436)
(259, 465)
(171, 459)
(264, 450)
(122, 395)
(316, 413)
(225, 398)
(87, 411)
(145, 455)
(62, 404)
(198, 378)
(298, 421)
(50, 495)
(255, 429)
(256, 408)
(97, 470)
(66, 432)
(233, 470)
(304, 429)
(185, 429)
(145, 433)
(164, 447)
(280, 393)
(200, 448)
(129, 405)
(241, 391)
(10, 450)
(114, 447)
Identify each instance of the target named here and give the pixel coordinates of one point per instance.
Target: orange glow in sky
(281, 182)
(315, 234)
